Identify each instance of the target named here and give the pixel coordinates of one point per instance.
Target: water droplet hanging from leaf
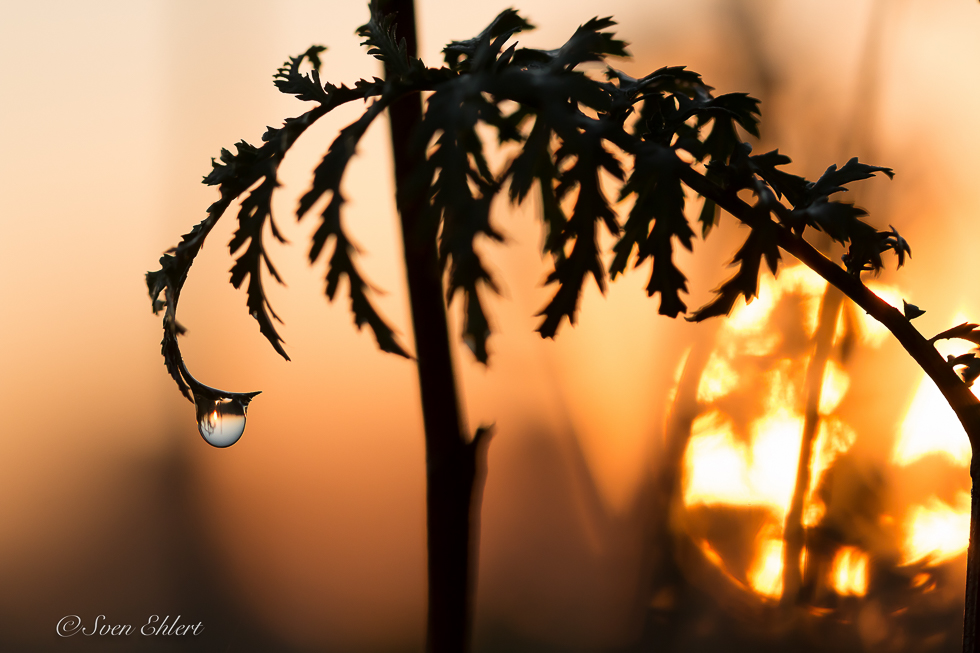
(221, 421)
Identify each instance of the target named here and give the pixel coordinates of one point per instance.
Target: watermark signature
(72, 624)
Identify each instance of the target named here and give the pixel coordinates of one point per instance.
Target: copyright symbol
(68, 626)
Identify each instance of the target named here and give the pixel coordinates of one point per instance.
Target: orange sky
(112, 111)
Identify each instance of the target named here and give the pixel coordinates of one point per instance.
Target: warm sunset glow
(840, 328)
(873, 332)
(834, 438)
(746, 327)
(766, 573)
(849, 572)
(930, 426)
(313, 527)
(716, 464)
(797, 279)
(811, 287)
(750, 320)
(813, 511)
(775, 455)
(719, 469)
(753, 460)
(717, 380)
(780, 391)
(756, 464)
(753, 316)
(835, 383)
(920, 580)
(937, 532)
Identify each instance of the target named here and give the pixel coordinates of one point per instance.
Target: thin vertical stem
(971, 614)
(794, 532)
(453, 466)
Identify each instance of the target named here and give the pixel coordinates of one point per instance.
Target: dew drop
(221, 421)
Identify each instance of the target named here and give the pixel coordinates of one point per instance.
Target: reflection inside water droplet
(221, 421)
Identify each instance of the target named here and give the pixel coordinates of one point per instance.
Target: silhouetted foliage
(585, 132)
(577, 133)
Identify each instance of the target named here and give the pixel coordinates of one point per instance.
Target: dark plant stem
(454, 467)
(972, 614)
(669, 493)
(794, 532)
(957, 393)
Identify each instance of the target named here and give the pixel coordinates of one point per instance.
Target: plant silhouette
(577, 132)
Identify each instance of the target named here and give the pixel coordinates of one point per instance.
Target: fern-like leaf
(382, 42)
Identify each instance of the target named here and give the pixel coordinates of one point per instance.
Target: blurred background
(637, 489)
